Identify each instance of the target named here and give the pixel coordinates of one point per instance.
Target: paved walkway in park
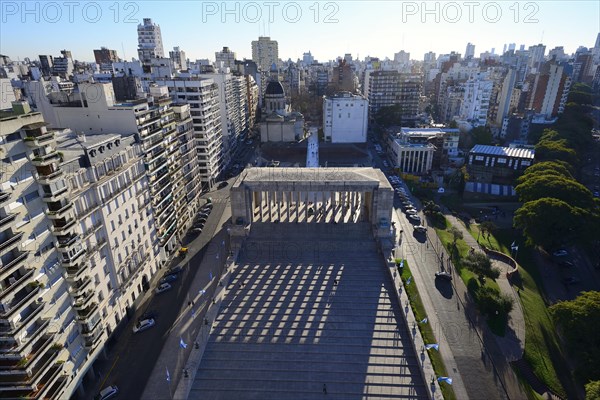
(308, 312)
(513, 343)
(312, 151)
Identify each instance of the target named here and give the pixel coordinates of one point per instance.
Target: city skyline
(326, 29)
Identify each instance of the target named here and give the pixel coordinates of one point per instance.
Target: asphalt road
(131, 357)
(467, 350)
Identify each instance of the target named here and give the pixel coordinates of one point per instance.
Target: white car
(143, 325)
(411, 211)
(415, 218)
(108, 392)
(163, 287)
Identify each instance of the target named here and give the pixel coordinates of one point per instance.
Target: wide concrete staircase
(307, 310)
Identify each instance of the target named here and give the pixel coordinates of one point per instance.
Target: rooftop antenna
(123, 48)
(542, 38)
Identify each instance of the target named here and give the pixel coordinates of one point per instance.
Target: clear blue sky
(327, 29)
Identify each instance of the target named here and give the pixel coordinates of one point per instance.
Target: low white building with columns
(411, 158)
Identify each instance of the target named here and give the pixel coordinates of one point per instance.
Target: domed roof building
(279, 123)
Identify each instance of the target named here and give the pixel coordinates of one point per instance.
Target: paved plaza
(309, 312)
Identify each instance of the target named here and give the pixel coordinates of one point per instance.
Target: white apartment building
(39, 329)
(265, 52)
(504, 100)
(150, 44)
(202, 95)
(178, 59)
(225, 59)
(345, 118)
(476, 99)
(93, 109)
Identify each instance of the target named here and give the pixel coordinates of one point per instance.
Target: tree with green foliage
(389, 116)
(487, 227)
(556, 167)
(578, 321)
(481, 265)
(549, 222)
(580, 94)
(456, 234)
(552, 150)
(569, 190)
(592, 390)
(481, 135)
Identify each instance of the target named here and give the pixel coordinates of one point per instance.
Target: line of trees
(557, 209)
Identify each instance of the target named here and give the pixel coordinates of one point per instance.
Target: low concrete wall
(504, 258)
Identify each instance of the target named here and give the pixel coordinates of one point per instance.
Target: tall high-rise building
(343, 77)
(470, 51)
(265, 52)
(225, 59)
(504, 99)
(163, 137)
(178, 59)
(402, 57)
(150, 44)
(387, 88)
(549, 90)
(536, 55)
(105, 56)
(46, 64)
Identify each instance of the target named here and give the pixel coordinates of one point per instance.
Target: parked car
(571, 280)
(414, 219)
(443, 275)
(163, 287)
(566, 264)
(420, 228)
(222, 184)
(197, 230)
(169, 278)
(144, 325)
(560, 253)
(201, 220)
(175, 270)
(107, 393)
(149, 314)
(411, 211)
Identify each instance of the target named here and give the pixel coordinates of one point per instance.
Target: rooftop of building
(516, 152)
(74, 146)
(364, 175)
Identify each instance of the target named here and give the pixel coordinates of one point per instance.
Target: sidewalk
(194, 319)
(513, 343)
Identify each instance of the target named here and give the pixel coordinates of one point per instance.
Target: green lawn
(542, 349)
(426, 332)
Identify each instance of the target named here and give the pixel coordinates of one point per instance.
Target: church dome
(274, 88)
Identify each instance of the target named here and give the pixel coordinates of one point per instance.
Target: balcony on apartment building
(19, 334)
(74, 257)
(133, 266)
(16, 280)
(59, 209)
(6, 220)
(156, 163)
(154, 153)
(4, 196)
(12, 259)
(49, 175)
(82, 302)
(34, 374)
(55, 192)
(63, 226)
(78, 272)
(79, 287)
(13, 341)
(20, 300)
(45, 157)
(37, 135)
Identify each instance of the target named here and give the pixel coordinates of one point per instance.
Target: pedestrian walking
(324, 388)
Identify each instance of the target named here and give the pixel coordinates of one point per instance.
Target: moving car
(108, 392)
(144, 325)
(163, 287)
(443, 275)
